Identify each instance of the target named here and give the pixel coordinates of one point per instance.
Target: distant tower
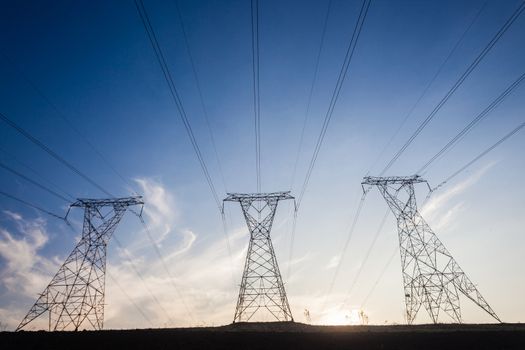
(431, 276)
(75, 295)
(261, 286)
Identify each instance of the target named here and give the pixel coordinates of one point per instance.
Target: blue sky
(93, 62)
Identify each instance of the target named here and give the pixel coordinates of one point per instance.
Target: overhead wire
(31, 205)
(366, 257)
(137, 307)
(38, 174)
(301, 139)
(342, 255)
(335, 95)
(478, 157)
(456, 85)
(143, 14)
(139, 274)
(379, 278)
(37, 184)
(428, 86)
(450, 177)
(52, 153)
(164, 265)
(208, 125)
(311, 91)
(495, 103)
(403, 122)
(199, 90)
(436, 109)
(59, 113)
(256, 94)
(292, 241)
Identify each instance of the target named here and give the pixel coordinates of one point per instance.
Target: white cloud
(12, 215)
(333, 262)
(436, 208)
(25, 272)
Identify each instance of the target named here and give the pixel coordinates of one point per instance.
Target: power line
(310, 94)
(427, 87)
(460, 170)
(164, 265)
(456, 85)
(256, 94)
(39, 185)
(345, 246)
(479, 156)
(335, 95)
(36, 173)
(208, 125)
(379, 278)
(292, 240)
(141, 312)
(137, 272)
(62, 116)
(52, 153)
(474, 122)
(175, 95)
(5, 194)
(424, 92)
(199, 89)
(367, 256)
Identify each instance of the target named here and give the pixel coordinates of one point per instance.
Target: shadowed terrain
(280, 336)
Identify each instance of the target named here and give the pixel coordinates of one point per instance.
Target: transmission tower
(75, 295)
(262, 285)
(431, 276)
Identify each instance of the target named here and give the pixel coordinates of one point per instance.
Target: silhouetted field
(279, 336)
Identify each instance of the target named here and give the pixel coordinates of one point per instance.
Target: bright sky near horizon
(91, 62)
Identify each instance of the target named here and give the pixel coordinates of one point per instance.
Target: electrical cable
(256, 94)
(427, 87)
(164, 265)
(478, 157)
(199, 90)
(310, 94)
(52, 153)
(5, 194)
(495, 103)
(62, 116)
(175, 95)
(342, 74)
(37, 184)
(137, 272)
(456, 85)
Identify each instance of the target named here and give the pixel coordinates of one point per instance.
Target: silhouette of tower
(262, 285)
(75, 295)
(431, 276)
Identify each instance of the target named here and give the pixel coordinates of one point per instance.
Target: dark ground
(279, 336)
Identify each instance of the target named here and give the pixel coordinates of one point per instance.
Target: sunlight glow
(342, 317)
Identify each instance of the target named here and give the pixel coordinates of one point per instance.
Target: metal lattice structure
(262, 285)
(431, 276)
(75, 295)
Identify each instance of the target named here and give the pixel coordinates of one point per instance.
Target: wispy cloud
(334, 261)
(438, 210)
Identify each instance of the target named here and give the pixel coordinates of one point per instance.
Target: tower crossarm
(124, 202)
(391, 180)
(237, 197)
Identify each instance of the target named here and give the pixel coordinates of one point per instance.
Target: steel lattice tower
(262, 285)
(431, 276)
(75, 295)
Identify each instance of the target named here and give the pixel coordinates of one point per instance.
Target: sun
(342, 317)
